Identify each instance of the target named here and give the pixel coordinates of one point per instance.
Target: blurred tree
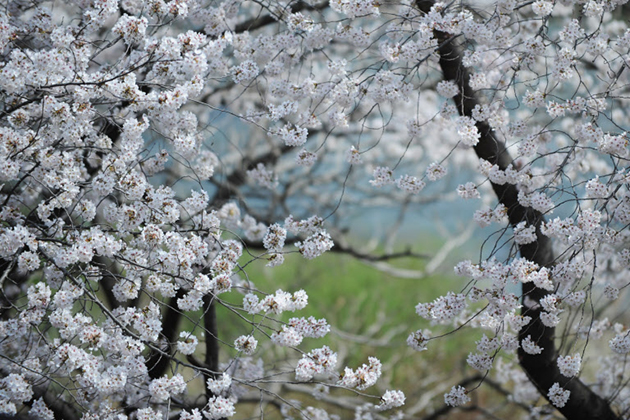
(151, 151)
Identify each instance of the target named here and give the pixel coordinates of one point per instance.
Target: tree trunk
(541, 369)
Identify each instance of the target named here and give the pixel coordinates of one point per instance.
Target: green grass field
(371, 313)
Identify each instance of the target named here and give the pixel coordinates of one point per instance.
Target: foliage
(153, 153)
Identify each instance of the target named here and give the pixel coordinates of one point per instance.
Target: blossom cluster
(130, 129)
(363, 377)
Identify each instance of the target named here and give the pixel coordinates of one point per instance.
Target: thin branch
(260, 21)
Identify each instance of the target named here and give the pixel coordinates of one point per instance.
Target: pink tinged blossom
(443, 309)
(595, 189)
(509, 342)
(569, 365)
(274, 238)
(297, 301)
(478, 81)
(245, 72)
(575, 299)
(589, 220)
(479, 361)
(467, 130)
(355, 8)
(496, 175)
(540, 202)
(298, 22)
(481, 113)
(542, 279)
(161, 389)
(311, 327)
(193, 415)
(382, 176)
(219, 385)
(28, 262)
(305, 158)
(524, 234)
(338, 119)
(613, 144)
(148, 323)
(39, 295)
(219, 407)
(364, 377)
(593, 8)
(390, 52)
(287, 337)
(112, 380)
(147, 414)
(40, 410)
(435, 171)
(549, 319)
(186, 145)
(197, 202)
(517, 322)
(391, 399)
(447, 88)
(318, 361)
(418, 340)
(487, 345)
(483, 217)
(563, 70)
(572, 32)
(555, 109)
(188, 343)
(457, 396)
(251, 303)
(414, 128)
(308, 226)
(353, 156)
(530, 347)
(246, 344)
(131, 29)
(152, 235)
(550, 303)
(86, 210)
(558, 395)
(620, 344)
(126, 289)
(275, 304)
(205, 164)
(276, 112)
(274, 260)
(528, 147)
(315, 245)
(468, 191)
(222, 283)
(542, 8)
(535, 99)
(16, 388)
(293, 135)
(410, 184)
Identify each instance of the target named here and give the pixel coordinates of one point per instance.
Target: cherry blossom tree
(152, 153)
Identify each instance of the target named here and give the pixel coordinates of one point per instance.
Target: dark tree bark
(212, 340)
(541, 369)
(158, 363)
